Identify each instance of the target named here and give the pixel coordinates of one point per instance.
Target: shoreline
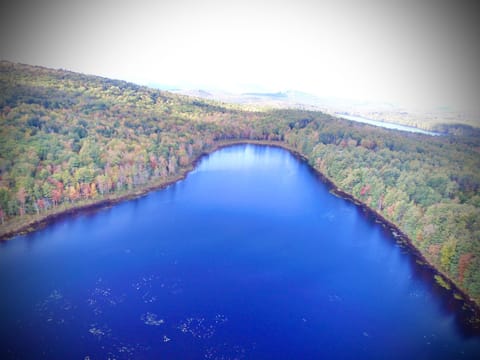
(38, 222)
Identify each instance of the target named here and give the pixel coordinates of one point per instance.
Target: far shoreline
(38, 222)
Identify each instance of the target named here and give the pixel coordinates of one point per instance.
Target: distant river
(387, 125)
(249, 257)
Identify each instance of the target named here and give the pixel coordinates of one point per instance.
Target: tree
(463, 264)
(172, 165)
(21, 197)
(41, 204)
(446, 253)
(93, 190)
(73, 193)
(85, 190)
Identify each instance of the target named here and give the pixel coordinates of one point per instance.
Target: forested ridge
(68, 139)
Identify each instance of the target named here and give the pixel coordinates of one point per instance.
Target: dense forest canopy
(68, 139)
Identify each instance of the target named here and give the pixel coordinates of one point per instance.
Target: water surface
(250, 257)
(387, 125)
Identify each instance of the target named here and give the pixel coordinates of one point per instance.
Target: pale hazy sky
(416, 52)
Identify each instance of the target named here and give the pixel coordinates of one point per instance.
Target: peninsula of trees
(68, 139)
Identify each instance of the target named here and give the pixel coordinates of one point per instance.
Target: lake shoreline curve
(38, 222)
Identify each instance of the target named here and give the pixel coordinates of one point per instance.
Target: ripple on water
(150, 286)
(224, 351)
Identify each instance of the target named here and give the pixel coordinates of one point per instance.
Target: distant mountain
(288, 99)
(375, 110)
(278, 95)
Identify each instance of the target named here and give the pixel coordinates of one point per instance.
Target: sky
(416, 53)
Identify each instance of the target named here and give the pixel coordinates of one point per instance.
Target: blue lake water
(249, 257)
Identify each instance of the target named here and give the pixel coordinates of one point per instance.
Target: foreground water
(250, 257)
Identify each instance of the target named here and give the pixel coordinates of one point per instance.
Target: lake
(387, 125)
(249, 257)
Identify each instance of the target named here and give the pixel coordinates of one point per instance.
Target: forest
(69, 139)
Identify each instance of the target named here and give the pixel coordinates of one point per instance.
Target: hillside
(69, 140)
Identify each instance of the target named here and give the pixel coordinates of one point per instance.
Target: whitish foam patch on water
(201, 328)
(151, 319)
(55, 308)
(100, 331)
(102, 296)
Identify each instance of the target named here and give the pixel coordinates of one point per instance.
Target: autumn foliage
(69, 139)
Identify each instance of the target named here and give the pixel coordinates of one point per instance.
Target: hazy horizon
(419, 54)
